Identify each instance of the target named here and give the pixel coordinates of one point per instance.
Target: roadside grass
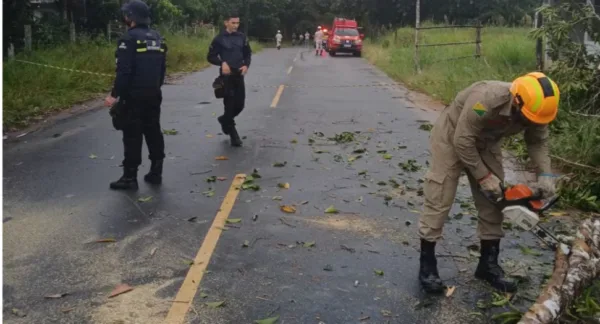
(32, 92)
(506, 54)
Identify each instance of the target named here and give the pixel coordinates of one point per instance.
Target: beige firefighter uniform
(467, 136)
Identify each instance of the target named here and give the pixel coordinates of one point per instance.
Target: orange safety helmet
(537, 96)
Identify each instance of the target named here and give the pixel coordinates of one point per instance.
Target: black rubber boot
(428, 273)
(155, 174)
(235, 137)
(224, 128)
(489, 270)
(127, 182)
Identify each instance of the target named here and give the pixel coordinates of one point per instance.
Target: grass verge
(32, 92)
(507, 53)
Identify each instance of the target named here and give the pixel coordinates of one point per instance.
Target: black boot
(224, 127)
(155, 174)
(127, 182)
(428, 273)
(235, 137)
(489, 270)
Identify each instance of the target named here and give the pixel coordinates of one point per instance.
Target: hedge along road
(322, 230)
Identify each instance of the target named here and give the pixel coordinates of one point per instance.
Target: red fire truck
(344, 37)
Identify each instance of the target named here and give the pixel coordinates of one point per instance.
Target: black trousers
(234, 100)
(144, 122)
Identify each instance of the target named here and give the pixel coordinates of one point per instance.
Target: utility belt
(220, 84)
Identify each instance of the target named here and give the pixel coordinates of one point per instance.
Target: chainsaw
(524, 208)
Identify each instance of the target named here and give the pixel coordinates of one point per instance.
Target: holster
(219, 87)
(119, 115)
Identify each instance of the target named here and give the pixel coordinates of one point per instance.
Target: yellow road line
(189, 287)
(277, 96)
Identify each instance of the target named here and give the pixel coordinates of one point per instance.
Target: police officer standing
(141, 67)
(231, 51)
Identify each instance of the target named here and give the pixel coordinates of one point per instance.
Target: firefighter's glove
(546, 184)
(490, 185)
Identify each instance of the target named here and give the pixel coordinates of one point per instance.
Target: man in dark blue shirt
(141, 67)
(231, 51)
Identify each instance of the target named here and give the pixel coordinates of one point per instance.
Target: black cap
(138, 11)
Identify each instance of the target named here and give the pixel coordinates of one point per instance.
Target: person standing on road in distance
(301, 39)
(294, 39)
(141, 66)
(231, 51)
(319, 41)
(307, 37)
(278, 38)
(468, 136)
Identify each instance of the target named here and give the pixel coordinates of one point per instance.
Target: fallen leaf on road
(66, 310)
(203, 295)
(93, 156)
(145, 199)
(363, 172)
(351, 250)
(233, 220)
(450, 291)
(211, 179)
(328, 267)
(304, 202)
(415, 211)
(270, 320)
(18, 312)
(294, 141)
(56, 296)
(215, 304)
(284, 185)
(249, 185)
(106, 240)
(386, 313)
(188, 262)
(382, 183)
(359, 150)
(360, 199)
(170, 131)
(120, 289)
(209, 193)
(387, 156)
(153, 251)
(556, 214)
(246, 243)
(354, 158)
(221, 158)
(255, 217)
(191, 219)
(426, 127)
(309, 244)
(210, 135)
(277, 198)
(288, 209)
(407, 223)
(378, 272)
(331, 210)
(221, 178)
(527, 251)
(280, 164)
(364, 318)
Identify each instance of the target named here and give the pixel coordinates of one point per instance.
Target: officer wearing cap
(141, 66)
(468, 136)
(231, 51)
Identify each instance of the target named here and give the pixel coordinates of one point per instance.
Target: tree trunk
(575, 269)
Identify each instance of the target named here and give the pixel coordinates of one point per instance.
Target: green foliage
(586, 307)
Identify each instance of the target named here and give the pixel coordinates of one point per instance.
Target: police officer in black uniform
(141, 67)
(230, 50)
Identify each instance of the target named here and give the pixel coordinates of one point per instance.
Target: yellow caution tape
(65, 69)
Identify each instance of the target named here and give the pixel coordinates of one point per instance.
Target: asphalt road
(358, 265)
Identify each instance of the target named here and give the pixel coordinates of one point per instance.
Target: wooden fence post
(72, 32)
(417, 25)
(11, 51)
(28, 40)
(478, 40)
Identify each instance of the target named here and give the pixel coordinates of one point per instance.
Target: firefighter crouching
(468, 136)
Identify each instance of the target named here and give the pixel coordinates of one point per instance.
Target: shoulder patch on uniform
(123, 45)
(479, 109)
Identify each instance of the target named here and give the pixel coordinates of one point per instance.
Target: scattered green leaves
(145, 199)
(209, 193)
(233, 220)
(331, 210)
(280, 164)
(309, 244)
(378, 272)
(527, 251)
(410, 165)
(170, 131)
(344, 137)
(216, 304)
(426, 127)
(387, 156)
(93, 156)
(246, 243)
(270, 320)
(211, 179)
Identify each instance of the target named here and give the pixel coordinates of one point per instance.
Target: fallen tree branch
(576, 164)
(575, 268)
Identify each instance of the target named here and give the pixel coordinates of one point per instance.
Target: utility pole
(247, 22)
